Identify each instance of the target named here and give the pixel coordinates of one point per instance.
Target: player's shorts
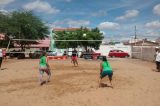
(105, 73)
(74, 57)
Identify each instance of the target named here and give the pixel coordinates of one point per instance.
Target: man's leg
(158, 66)
(0, 62)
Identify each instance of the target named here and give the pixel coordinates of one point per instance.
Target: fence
(143, 52)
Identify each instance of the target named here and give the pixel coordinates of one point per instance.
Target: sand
(134, 84)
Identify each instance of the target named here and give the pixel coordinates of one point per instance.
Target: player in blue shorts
(105, 70)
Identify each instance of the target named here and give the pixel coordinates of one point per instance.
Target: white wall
(104, 49)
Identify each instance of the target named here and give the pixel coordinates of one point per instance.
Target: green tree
(4, 24)
(24, 25)
(91, 34)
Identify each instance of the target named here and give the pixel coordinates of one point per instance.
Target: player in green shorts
(44, 67)
(105, 69)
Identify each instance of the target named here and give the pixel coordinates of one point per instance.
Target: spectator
(1, 57)
(158, 59)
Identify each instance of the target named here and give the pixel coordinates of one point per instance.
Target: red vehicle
(118, 53)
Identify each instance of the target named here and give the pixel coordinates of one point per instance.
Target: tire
(21, 56)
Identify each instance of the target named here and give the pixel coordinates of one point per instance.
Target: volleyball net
(38, 47)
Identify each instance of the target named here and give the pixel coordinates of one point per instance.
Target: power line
(50, 40)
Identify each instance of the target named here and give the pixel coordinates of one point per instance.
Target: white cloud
(99, 13)
(152, 33)
(78, 23)
(153, 25)
(57, 24)
(156, 9)
(69, 23)
(41, 6)
(3, 11)
(128, 14)
(53, 25)
(104, 33)
(108, 25)
(5, 2)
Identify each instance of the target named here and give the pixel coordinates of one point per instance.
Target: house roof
(144, 42)
(40, 43)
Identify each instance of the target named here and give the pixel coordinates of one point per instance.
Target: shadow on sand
(3, 68)
(155, 70)
(105, 85)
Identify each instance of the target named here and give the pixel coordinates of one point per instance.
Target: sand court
(134, 84)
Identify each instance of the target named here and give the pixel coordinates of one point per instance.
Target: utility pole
(135, 33)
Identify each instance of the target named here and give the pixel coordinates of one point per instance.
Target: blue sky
(115, 18)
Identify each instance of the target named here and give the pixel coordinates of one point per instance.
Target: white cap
(157, 47)
(0, 50)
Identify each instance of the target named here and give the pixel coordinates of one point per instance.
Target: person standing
(105, 70)
(44, 67)
(1, 58)
(74, 57)
(156, 52)
(158, 60)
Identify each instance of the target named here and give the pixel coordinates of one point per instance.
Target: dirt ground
(134, 84)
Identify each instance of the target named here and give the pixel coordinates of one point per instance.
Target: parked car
(35, 55)
(18, 54)
(100, 57)
(118, 53)
(51, 53)
(86, 55)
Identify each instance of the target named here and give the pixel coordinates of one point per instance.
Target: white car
(59, 53)
(51, 53)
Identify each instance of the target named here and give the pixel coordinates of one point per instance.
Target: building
(105, 49)
(40, 45)
(145, 42)
(158, 40)
(142, 42)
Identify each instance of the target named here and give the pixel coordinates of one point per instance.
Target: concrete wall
(104, 49)
(138, 52)
(143, 52)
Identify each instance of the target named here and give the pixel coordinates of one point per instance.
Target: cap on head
(157, 47)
